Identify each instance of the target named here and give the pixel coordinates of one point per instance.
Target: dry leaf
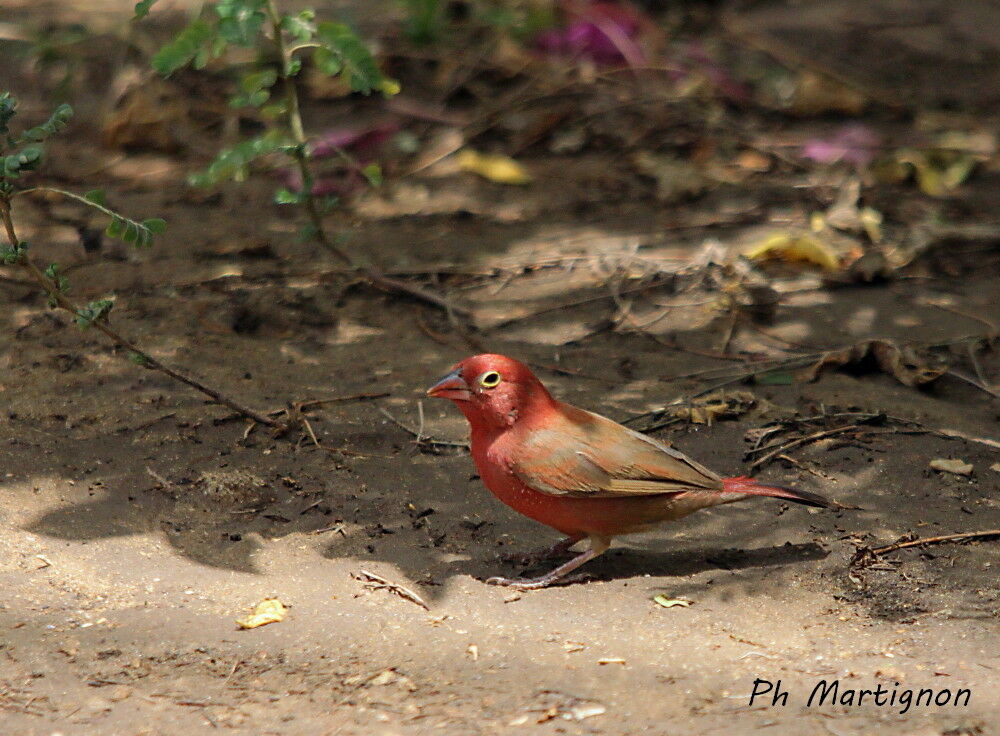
(495, 167)
(268, 611)
(820, 94)
(901, 363)
(662, 600)
(794, 248)
(938, 173)
(995, 467)
(948, 465)
(717, 405)
(703, 410)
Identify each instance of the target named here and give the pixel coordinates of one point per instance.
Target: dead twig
(944, 538)
(133, 351)
(312, 403)
(398, 286)
(421, 440)
(785, 447)
(377, 582)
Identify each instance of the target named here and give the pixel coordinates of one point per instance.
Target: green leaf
(300, 27)
(58, 280)
(233, 163)
(11, 167)
(341, 49)
(116, 228)
(96, 196)
(273, 111)
(184, 48)
(286, 196)
(29, 156)
(139, 233)
(131, 232)
(373, 173)
(240, 20)
(328, 62)
(9, 255)
(142, 9)
(8, 109)
(254, 99)
(96, 310)
(58, 120)
(155, 225)
(256, 81)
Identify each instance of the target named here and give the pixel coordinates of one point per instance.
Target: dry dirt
(138, 522)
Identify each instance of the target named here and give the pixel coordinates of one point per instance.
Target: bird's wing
(586, 455)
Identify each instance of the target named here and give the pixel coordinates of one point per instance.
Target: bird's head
(492, 390)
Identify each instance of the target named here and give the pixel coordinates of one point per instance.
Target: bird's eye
(490, 379)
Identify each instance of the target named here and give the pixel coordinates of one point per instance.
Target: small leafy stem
(294, 117)
(336, 52)
(134, 352)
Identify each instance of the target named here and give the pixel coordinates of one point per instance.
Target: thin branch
(936, 540)
(294, 118)
(799, 442)
(147, 360)
(421, 440)
(300, 154)
(371, 580)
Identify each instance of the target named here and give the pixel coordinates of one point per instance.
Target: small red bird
(579, 472)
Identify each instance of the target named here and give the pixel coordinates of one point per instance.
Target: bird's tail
(742, 484)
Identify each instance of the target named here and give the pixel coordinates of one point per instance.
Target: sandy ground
(139, 522)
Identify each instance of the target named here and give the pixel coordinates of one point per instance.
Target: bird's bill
(452, 386)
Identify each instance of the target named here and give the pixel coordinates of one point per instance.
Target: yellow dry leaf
(938, 173)
(788, 247)
(389, 87)
(817, 222)
(871, 221)
(662, 600)
(268, 611)
(493, 166)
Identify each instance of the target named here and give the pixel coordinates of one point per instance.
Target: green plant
(333, 48)
(23, 154)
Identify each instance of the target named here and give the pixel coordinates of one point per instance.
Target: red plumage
(576, 471)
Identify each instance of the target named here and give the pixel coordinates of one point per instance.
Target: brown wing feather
(583, 454)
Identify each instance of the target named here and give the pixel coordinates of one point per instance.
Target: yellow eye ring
(490, 379)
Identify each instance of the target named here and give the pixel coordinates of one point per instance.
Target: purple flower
(853, 143)
(601, 32)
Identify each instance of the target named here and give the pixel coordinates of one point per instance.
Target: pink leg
(598, 545)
